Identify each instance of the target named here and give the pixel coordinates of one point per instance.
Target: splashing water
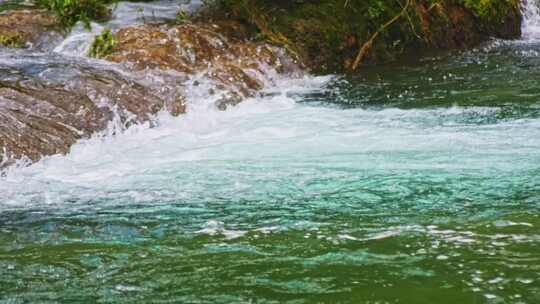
(531, 20)
(124, 14)
(414, 184)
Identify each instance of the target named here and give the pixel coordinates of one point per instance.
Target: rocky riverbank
(48, 101)
(328, 35)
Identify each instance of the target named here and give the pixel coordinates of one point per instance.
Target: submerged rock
(28, 28)
(46, 107)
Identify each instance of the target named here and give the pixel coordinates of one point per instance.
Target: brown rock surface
(48, 102)
(29, 27)
(44, 113)
(236, 65)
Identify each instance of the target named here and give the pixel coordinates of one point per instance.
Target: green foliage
(328, 33)
(12, 41)
(376, 9)
(103, 44)
(486, 8)
(12, 4)
(325, 33)
(492, 13)
(493, 9)
(182, 17)
(71, 11)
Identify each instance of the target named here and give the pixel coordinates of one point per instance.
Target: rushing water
(415, 183)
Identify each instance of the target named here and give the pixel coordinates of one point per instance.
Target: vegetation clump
(71, 11)
(103, 44)
(337, 35)
(493, 13)
(181, 17)
(8, 5)
(12, 40)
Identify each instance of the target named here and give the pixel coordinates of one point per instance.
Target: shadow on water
(501, 75)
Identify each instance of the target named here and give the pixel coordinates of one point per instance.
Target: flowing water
(414, 183)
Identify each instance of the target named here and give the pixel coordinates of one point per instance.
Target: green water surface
(417, 182)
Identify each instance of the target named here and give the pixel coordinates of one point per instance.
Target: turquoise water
(417, 182)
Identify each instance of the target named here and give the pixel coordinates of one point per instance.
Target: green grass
(12, 4)
(71, 11)
(13, 41)
(328, 34)
(103, 44)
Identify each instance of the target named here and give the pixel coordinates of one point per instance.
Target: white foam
(79, 40)
(124, 14)
(286, 140)
(531, 20)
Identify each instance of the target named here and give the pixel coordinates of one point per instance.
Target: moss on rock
(71, 11)
(500, 18)
(327, 34)
(103, 44)
(22, 27)
(12, 40)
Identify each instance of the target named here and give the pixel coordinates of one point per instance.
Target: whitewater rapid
(270, 139)
(408, 183)
(277, 134)
(124, 14)
(530, 26)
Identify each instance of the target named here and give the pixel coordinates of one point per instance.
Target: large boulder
(48, 102)
(449, 25)
(238, 67)
(327, 35)
(46, 108)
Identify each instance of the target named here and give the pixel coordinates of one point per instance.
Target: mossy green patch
(12, 40)
(103, 44)
(181, 17)
(71, 11)
(327, 34)
(492, 13)
(13, 4)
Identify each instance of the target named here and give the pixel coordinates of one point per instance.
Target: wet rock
(238, 68)
(454, 26)
(48, 102)
(29, 28)
(46, 108)
(449, 26)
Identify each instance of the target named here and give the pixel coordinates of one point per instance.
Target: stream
(416, 182)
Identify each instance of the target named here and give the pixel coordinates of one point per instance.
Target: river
(416, 182)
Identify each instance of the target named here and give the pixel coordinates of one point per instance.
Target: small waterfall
(531, 20)
(78, 42)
